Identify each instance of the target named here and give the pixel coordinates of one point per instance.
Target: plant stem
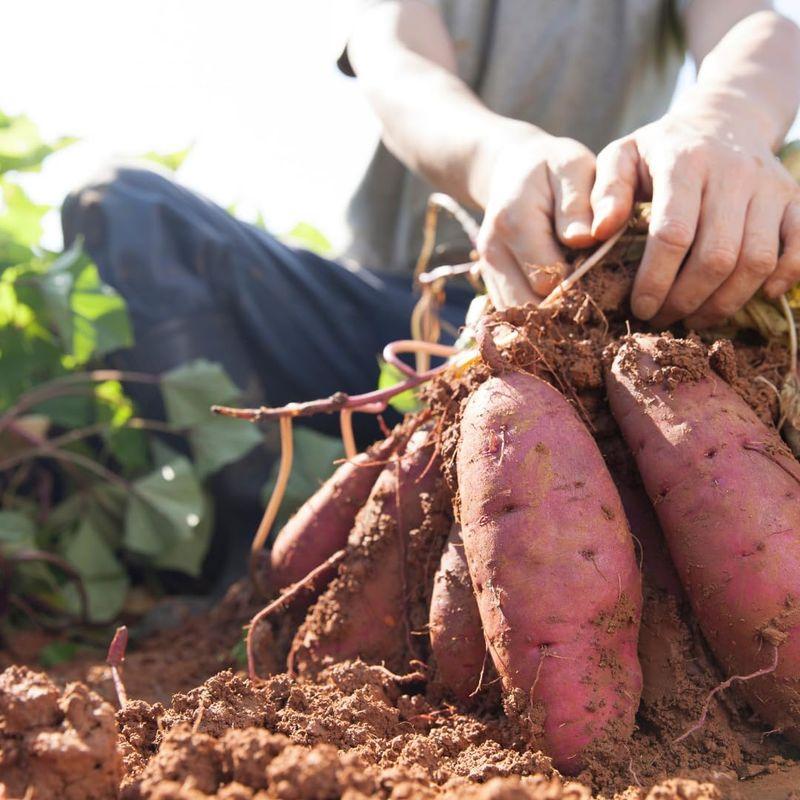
(65, 383)
(276, 604)
(348, 439)
(594, 259)
(115, 658)
(369, 403)
(135, 423)
(284, 470)
(45, 448)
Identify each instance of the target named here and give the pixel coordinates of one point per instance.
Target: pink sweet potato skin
(365, 610)
(552, 563)
(726, 491)
(658, 571)
(455, 624)
(321, 525)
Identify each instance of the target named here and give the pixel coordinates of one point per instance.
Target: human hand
(725, 217)
(534, 189)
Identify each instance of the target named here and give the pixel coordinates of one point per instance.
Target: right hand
(535, 191)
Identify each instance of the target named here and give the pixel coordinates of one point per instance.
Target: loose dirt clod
(59, 744)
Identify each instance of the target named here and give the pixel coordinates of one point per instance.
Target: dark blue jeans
(200, 283)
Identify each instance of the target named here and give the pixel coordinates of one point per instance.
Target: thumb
(572, 211)
(614, 187)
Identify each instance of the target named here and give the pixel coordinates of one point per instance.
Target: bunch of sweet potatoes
(527, 564)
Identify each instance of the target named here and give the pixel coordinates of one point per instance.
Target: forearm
(431, 120)
(749, 83)
(435, 126)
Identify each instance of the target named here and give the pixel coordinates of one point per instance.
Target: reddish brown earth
(358, 731)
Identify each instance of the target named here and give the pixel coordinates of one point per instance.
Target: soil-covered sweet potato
(727, 494)
(455, 624)
(321, 525)
(368, 609)
(553, 565)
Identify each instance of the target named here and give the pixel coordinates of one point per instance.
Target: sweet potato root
(455, 624)
(364, 612)
(321, 525)
(553, 565)
(726, 491)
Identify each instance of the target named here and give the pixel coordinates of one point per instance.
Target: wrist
(728, 115)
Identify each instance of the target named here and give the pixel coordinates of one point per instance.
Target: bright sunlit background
(251, 84)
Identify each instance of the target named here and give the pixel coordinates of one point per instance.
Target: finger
(614, 187)
(787, 273)
(534, 247)
(505, 283)
(673, 222)
(716, 249)
(572, 184)
(757, 261)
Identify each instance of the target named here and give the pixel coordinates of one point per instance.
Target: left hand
(725, 215)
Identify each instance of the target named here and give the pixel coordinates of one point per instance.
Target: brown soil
(361, 731)
(196, 728)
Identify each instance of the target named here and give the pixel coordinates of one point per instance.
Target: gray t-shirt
(592, 70)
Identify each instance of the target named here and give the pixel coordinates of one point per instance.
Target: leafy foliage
(86, 486)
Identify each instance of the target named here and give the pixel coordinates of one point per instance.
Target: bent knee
(117, 190)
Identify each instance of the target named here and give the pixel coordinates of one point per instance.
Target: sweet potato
(455, 624)
(726, 491)
(658, 571)
(365, 610)
(321, 525)
(553, 565)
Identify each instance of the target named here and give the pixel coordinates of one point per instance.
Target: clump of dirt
(55, 743)
(381, 592)
(356, 731)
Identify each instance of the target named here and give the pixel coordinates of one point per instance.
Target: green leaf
(106, 597)
(308, 237)
(187, 555)
(313, 463)
(190, 390)
(100, 319)
(21, 221)
(16, 530)
(162, 453)
(90, 554)
(220, 441)
(104, 578)
(166, 506)
(55, 653)
(170, 161)
(88, 315)
(406, 402)
(70, 411)
(22, 147)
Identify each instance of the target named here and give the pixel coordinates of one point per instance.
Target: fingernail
(644, 306)
(603, 212)
(577, 230)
